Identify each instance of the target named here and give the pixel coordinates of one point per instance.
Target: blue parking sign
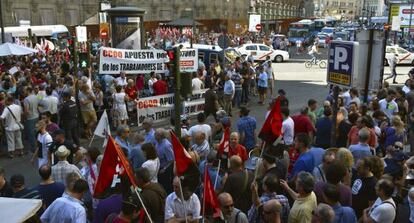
(340, 63)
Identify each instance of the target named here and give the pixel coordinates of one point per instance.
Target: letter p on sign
(340, 57)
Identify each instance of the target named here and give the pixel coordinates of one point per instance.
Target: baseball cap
(59, 132)
(17, 180)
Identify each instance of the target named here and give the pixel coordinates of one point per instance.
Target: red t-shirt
(354, 139)
(303, 124)
(131, 92)
(240, 151)
(160, 87)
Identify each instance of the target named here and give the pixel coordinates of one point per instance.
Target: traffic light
(83, 60)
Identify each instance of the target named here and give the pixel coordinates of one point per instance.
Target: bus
(303, 31)
(319, 24)
(330, 22)
(48, 31)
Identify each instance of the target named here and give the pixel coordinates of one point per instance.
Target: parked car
(328, 30)
(404, 56)
(322, 40)
(261, 51)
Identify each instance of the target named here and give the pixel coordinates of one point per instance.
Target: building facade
(215, 15)
(338, 9)
(47, 12)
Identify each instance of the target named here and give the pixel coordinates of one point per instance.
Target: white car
(261, 51)
(404, 56)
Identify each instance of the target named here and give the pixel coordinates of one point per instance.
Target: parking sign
(341, 66)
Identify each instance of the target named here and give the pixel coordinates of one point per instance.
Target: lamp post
(409, 24)
(2, 23)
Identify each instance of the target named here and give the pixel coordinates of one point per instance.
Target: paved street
(299, 83)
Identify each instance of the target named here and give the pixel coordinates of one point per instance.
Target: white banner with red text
(114, 61)
(161, 108)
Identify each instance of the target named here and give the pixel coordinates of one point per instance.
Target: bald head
(199, 137)
(273, 206)
(226, 204)
(236, 162)
(223, 197)
(324, 214)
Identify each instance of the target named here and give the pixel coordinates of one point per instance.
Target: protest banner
(113, 61)
(188, 60)
(161, 108)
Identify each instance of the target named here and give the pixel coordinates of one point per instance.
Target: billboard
(403, 11)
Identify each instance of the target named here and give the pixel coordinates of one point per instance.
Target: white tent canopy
(16, 210)
(8, 49)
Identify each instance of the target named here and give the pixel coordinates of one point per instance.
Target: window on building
(71, 16)
(47, 17)
(342, 4)
(21, 14)
(166, 14)
(350, 4)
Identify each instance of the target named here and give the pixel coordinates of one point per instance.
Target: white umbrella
(16, 210)
(8, 49)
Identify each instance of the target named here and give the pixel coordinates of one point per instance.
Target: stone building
(338, 9)
(215, 15)
(48, 12)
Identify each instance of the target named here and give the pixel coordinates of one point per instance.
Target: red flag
(47, 48)
(272, 128)
(225, 141)
(210, 197)
(114, 162)
(67, 56)
(182, 158)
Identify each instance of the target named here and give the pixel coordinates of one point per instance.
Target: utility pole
(2, 23)
(409, 26)
(177, 93)
(193, 26)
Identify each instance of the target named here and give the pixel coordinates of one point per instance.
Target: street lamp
(2, 23)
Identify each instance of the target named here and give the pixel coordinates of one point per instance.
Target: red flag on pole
(272, 128)
(114, 163)
(210, 197)
(182, 158)
(67, 55)
(225, 141)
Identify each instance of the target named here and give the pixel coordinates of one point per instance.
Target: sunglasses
(229, 206)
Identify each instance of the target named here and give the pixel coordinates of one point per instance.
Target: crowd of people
(362, 172)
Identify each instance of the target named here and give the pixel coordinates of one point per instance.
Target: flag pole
(182, 197)
(90, 142)
(204, 193)
(261, 155)
(218, 173)
(143, 205)
(277, 141)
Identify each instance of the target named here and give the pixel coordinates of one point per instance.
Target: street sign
(188, 60)
(81, 33)
(104, 30)
(341, 63)
(396, 23)
(253, 21)
(258, 27)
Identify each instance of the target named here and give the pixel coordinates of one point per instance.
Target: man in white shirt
(288, 127)
(151, 82)
(200, 127)
(12, 121)
(50, 104)
(384, 209)
(121, 80)
(178, 211)
(388, 105)
(69, 207)
(196, 83)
